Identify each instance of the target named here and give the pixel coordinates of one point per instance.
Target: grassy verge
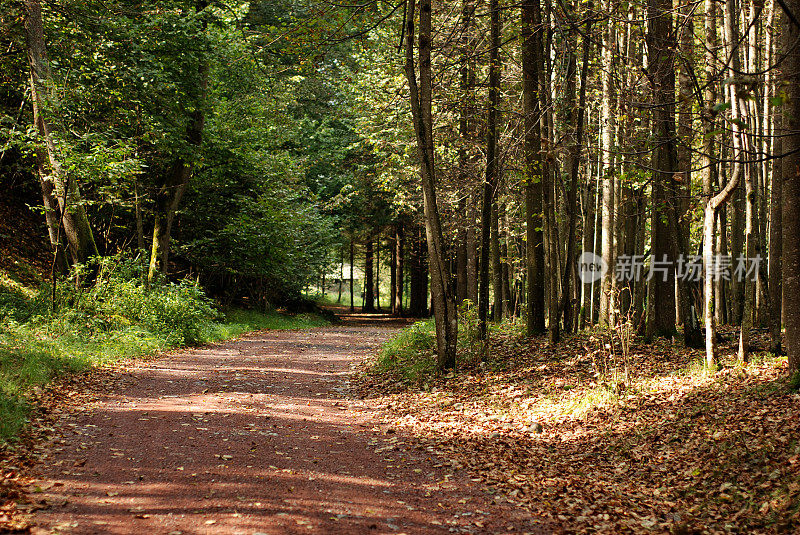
(118, 317)
(31, 357)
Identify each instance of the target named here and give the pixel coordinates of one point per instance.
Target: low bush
(410, 354)
(45, 334)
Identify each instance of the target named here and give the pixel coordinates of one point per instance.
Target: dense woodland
(455, 151)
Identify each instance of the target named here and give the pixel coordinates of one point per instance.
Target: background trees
(258, 141)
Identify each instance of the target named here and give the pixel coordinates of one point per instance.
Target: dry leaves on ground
(671, 449)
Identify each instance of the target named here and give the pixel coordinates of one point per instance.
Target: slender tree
(64, 208)
(790, 174)
(444, 308)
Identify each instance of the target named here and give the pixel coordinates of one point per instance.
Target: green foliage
(794, 381)
(470, 347)
(409, 355)
(119, 298)
(117, 317)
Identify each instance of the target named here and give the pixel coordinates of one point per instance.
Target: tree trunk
(489, 244)
(661, 72)
(497, 267)
(393, 274)
(776, 237)
(472, 255)
(168, 199)
(175, 183)
(400, 249)
(369, 279)
(58, 189)
(352, 275)
(378, 273)
(446, 314)
(341, 275)
(574, 167)
(605, 317)
(710, 215)
(791, 189)
(531, 66)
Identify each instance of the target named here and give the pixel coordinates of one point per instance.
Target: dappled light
(399, 267)
(259, 434)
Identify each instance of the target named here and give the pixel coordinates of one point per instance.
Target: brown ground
(257, 435)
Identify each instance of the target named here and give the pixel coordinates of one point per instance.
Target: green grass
(237, 322)
(32, 357)
(119, 317)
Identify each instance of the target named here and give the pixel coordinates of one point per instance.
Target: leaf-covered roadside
(675, 449)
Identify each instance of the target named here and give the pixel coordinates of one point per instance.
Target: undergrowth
(119, 316)
(410, 356)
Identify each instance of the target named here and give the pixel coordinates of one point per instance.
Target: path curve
(253, 436)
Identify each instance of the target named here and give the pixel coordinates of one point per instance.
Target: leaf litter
(561, 433)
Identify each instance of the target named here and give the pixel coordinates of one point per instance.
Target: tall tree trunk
(549, 172)
(608, 114)
(791, 187)
(497, 267)
(692, 335)
(369, 277)
(531, 66)
(661, 72)
(775, 233)
(341, 275)
(58, 189)
(507, 266)
(587, 204)
(711, 214)
(393, 274)
(378, 273)
(446, 314)
(400, 253)
(175, 183)
(488, 221)
(352, 274)
(467, 86)
(574, 167)
(461, 255)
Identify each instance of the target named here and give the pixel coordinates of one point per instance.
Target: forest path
(251, 436)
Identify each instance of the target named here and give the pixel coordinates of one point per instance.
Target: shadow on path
(256, 435)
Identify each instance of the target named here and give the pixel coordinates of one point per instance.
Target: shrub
(410, 355)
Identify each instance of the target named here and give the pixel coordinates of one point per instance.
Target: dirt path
(252, 436)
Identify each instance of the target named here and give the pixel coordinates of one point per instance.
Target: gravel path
(257, 435)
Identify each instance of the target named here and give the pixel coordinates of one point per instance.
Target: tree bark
(352, 275)
(710, 215)
(489, 241)
(776, 237)
(446, 314)
(605, 317)
(531, 66)
(369, 278)
(574, 168)
(60, 192)
(400, 250)
(472, 255)
(393, 274)
(791, 189)
(661, 72)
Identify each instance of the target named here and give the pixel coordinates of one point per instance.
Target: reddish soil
(257, 435)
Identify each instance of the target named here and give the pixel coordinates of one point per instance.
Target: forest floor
(566, 434)
(257, 435)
